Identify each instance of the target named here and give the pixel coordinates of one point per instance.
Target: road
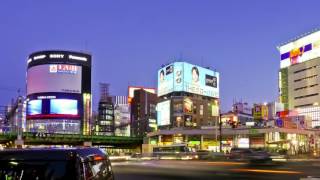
(185, 170)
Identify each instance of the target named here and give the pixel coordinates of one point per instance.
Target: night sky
(130, 40)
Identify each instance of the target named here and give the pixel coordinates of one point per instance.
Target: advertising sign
(163, 113)
(187, 105)
(182, 76)
(243, 143)
(300, 50)
(54, 78)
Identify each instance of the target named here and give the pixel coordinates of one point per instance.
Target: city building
(236, 119)
(299, 75)
(143, 112)
(188, 96)
(104, 124)
(121, 116)
(240, 116)
(242, 107)
(188, 107)
(59, 92)
(14, 118)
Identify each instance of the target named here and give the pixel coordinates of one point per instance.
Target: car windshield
(29, 170)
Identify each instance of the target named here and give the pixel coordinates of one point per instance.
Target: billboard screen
(163, 113)
(300, 50)
(34, 107)
(182, 76)
(64, 106)
(54, 78)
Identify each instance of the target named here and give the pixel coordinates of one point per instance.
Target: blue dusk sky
(130, 40)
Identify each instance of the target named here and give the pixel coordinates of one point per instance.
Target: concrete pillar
(201, 142)
(186, 139)
(159, 139)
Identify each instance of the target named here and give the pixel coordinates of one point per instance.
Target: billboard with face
(54, 78)
(182, 76)
(163, 113)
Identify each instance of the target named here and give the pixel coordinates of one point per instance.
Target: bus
(175, 151)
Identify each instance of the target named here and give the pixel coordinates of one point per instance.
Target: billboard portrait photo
(182, 76)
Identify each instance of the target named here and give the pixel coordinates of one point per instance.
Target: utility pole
(220, 130)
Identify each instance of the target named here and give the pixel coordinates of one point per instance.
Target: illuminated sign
(39, 57)
(187, 105)
(163, 113)
(29, 60)
(46, 97)
(300, 50)
(243, 143)
(63, 68)
(182, 76)
(56, 56)
(77, 58)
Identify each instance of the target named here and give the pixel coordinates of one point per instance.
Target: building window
(305, 96)
(305, 78)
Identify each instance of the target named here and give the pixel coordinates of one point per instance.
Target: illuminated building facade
(59, 92)
(188, 96)
(299, 75)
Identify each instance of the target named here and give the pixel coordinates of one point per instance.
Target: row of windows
(305, 78)
(305, 96)
(303, 105)
(305, 69)
(305, 87)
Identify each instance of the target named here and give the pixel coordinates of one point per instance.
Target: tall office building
(143, 112)
(299, 75)
(104, 124)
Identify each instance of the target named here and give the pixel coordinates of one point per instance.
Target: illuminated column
(86, 114)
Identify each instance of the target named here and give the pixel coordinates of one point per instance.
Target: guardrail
(71, 139)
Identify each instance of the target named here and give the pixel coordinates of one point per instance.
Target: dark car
(70, 164)
(252, 155)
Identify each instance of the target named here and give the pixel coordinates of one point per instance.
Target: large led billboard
(300, 50)
(54, 78)
(163, 113)
(53, 108)
(182, 76)
(64, 106)
(34, 107)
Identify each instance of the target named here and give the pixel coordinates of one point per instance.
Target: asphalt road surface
(185, 170)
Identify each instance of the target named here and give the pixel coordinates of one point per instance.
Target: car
(251, 155)
(48, 163)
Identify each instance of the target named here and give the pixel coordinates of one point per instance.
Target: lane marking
(267, 171)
